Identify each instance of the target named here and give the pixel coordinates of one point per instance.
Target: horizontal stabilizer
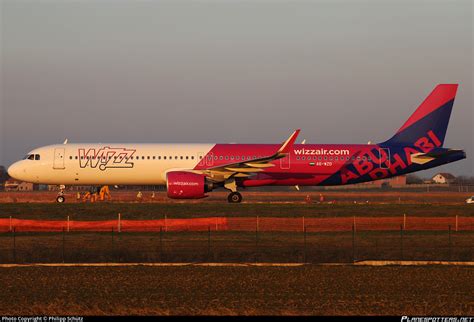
(422, 158)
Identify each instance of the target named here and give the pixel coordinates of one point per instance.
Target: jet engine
(187, 185)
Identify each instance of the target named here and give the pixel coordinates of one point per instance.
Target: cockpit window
(32, 157)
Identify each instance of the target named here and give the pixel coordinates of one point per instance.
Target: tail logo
(370, 162)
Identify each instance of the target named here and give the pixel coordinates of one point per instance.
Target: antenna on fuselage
(65, 141)
(303, 142)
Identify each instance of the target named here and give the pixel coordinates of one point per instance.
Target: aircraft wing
(249, 167)
(422, 158)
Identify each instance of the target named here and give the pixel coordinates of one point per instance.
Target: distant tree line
(465, 180)
(462, 180)
(3, 174)
(414, 179)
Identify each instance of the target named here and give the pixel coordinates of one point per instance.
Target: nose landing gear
(61, 198)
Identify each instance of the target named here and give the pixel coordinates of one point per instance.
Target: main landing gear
(234, 196)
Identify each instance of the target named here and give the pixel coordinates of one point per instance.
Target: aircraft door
(285, 162)
(384, 157)
(210, 159)
(206, 159)
(59, 159)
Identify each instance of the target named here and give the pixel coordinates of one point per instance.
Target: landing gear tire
(234, 197)
(60, 199)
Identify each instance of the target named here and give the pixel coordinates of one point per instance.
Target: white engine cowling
(186, 185)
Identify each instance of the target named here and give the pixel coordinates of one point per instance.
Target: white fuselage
(107, 164)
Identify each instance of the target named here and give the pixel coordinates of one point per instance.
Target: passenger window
(164, 158)
(181, 157)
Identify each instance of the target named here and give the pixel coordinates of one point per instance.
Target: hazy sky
(229, 71)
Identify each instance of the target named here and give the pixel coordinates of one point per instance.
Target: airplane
(190, 171)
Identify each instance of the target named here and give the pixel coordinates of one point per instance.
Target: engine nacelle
(186, 185)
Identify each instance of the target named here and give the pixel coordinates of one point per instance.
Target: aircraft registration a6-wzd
(189, 171)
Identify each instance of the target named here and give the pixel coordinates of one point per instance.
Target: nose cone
(15, 171)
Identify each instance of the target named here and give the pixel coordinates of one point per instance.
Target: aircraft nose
(14, 171)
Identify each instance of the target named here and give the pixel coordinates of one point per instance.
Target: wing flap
(259, 165)
(245, 170)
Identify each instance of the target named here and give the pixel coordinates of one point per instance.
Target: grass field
(104, 211)
(233, 246)
(296, 247)
(251, 196)
(306, 290)
(244, 290)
